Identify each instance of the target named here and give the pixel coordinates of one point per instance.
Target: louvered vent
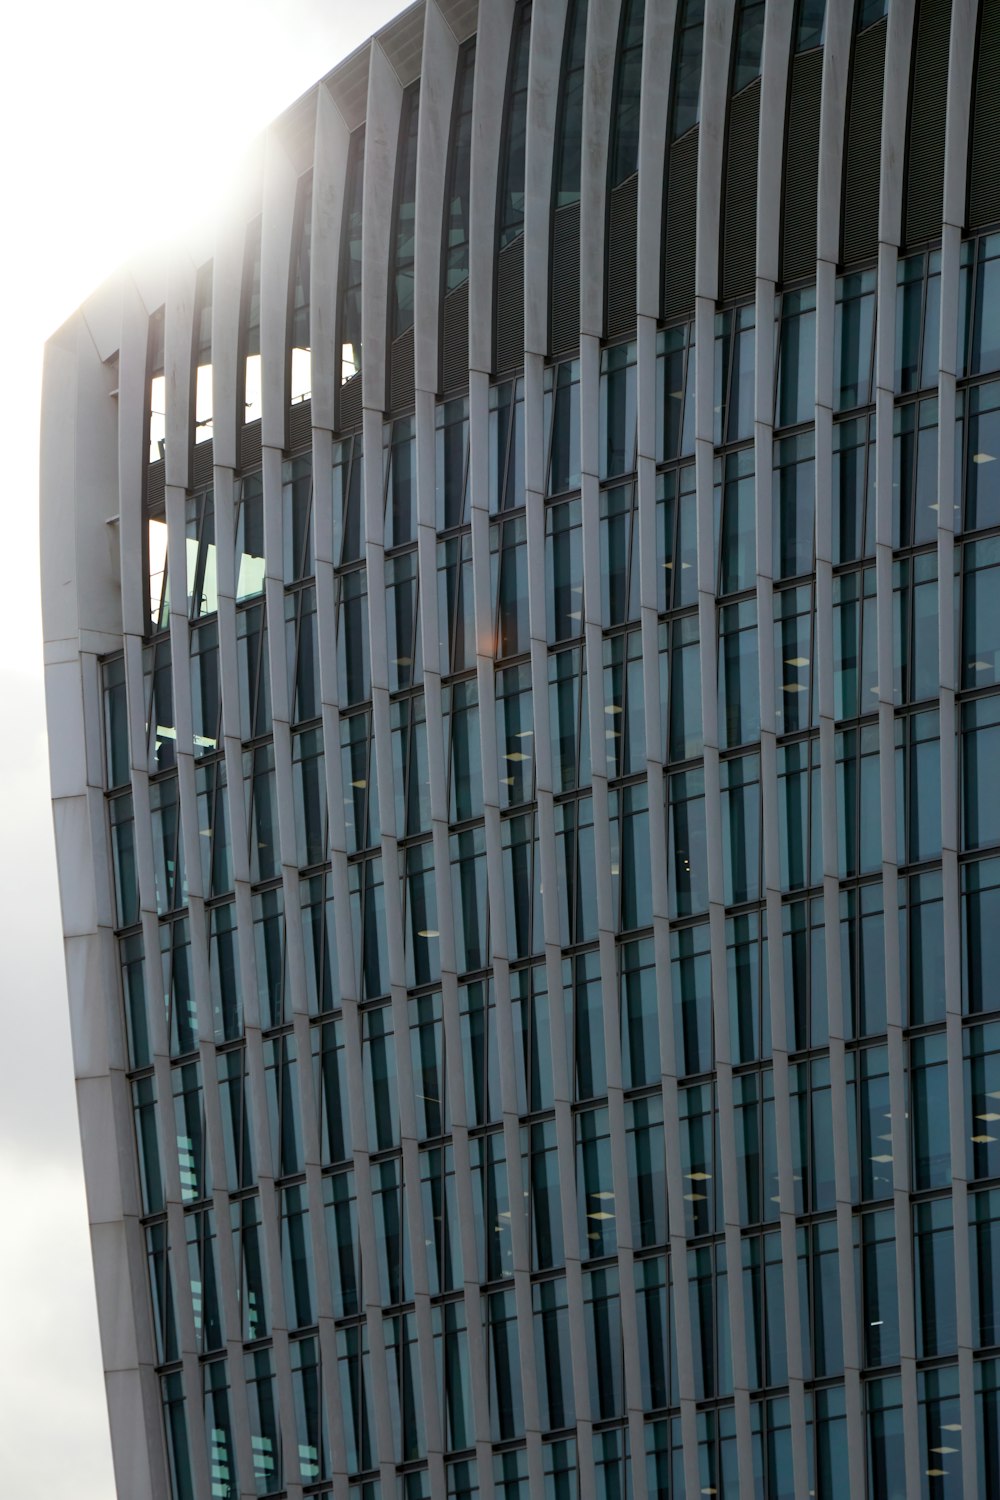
(350, 404)
(863, 152)
(564, 300)
(510, 306)
(250, 446)
(924, 199)
(201, 467)
(622, 222)
(798, 218)
(299, 426)
(455, 340)
(681, 227)
(984, 153)
(739, 234)
(155, 485)
(401, 372)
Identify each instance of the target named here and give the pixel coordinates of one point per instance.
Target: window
(564, 571)
(677, 538)
(980, 934)
(854, 340)
(401, 281)
(796, 357)
(686, 101)
(510, 217)
(979, 305)
(350, 259)
(250, 325)
(794, 655)
(918, 316)
(515, 735)
(858, 799)
(330, 1067)
(742, 836)
(980, 748)
(619, 522)
(157, 578)
(569, 130)
(978, 422)
(739, 687)
(794, 505)
(929, 1133)
(880, 1310)
(749, 40)
(300, 373)
(459, 162)
(625, 733)
(687, 866)
(934, 1277)
(675, 393)
(639, 1014)
(855, 668)
(157, 388)
(623, 152)
(810, 24)
(203, 355)
(562, 426)
(451, 470)
(914, 465)
(804, 942)
(199, 535)
(734, 371)
(691, 989)
(915, 626)
(206, 697)
(506, 434)
(918, 787)
(980, 650)
(748, 988)
(552, 1355)
(922, 947)
(249, 548)
(296, 518)
(853, 489)
(617, 435)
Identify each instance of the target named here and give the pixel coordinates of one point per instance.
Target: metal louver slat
(739, 221)
(925, 137)
(564, 301)
(455, 340)
(862, 160)
(155, 485)
(798, 214)
(510, 306)
(250, 445)
(299, 425)
(984, 154)
(622, 222)
(681, 227)
(201, 467)
(350, 404)
(401, 372)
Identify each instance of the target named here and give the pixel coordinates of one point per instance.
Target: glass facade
(498, 1116)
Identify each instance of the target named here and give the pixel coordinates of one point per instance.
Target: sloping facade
(523, 675)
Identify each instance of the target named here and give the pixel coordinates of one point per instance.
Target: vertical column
(949, 518)
(890, 208)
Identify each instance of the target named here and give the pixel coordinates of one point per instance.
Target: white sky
(120, 120)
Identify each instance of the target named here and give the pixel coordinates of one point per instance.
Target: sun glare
(123, 125)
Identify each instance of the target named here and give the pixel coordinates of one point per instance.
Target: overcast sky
(119, 120)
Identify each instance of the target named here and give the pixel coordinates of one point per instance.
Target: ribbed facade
(522, 617)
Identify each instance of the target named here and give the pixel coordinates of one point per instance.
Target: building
(443, 718)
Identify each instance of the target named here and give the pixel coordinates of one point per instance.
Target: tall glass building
(523, 655)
